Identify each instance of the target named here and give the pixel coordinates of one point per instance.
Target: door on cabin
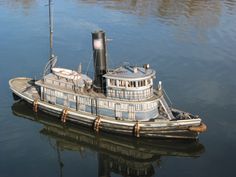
(118, 113)
(131, 112)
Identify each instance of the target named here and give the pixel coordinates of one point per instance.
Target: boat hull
(180, 129)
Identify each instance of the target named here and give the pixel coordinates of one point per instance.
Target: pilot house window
(142, 83)
(113, 82)
(121, 83)
(132, 84)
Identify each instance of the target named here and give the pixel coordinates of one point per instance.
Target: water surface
(190, 43)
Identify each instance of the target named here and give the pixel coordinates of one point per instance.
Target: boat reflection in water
(120, 155)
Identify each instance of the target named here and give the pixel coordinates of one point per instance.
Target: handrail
(168, 98)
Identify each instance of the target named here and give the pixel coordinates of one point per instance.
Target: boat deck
(25, 86)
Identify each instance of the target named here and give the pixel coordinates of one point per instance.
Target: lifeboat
(66, 73)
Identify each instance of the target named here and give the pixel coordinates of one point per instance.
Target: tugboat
(122, 100)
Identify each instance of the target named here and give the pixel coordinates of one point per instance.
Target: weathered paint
(157, 128)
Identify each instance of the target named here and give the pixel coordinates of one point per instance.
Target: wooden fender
(201, 128)
(64, 115)
(35, 105)
(97, 123)
(137, 129)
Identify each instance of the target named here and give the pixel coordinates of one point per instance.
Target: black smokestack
(100, 60)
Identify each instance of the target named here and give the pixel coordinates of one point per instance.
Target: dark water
(191, 44)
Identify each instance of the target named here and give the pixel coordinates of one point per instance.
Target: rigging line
(167, 97)
(88, 65)
(108, 61)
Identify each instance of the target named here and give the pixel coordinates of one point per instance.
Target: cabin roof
(130, 72)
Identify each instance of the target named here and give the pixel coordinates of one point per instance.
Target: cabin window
(104, 104)
(135, 95)
(58, 94)
(125, 94)
(65, 95)
(100, 103)
(48, 98)
(52, 93)
(69, 86)
(113, 82)
(138, 107)
(118, 112)
(113, 93)
(72, 104)
(62, 84)
(71, 97)
(111, 105)
(119, 83)
(145, 93)
(129, 95)
(88, 101)
(82, 100)
(48, 91)
(56, 83)
(119, 93)
(82, 107)
(131, 84)
(124, 107)
(122, 83)
(49, 81)
(139, 83)
(60, 101)
(143, 83)
(138, 94)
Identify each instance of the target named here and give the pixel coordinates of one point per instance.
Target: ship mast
(51, 57)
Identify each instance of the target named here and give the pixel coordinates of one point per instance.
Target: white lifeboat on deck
(66, 73)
